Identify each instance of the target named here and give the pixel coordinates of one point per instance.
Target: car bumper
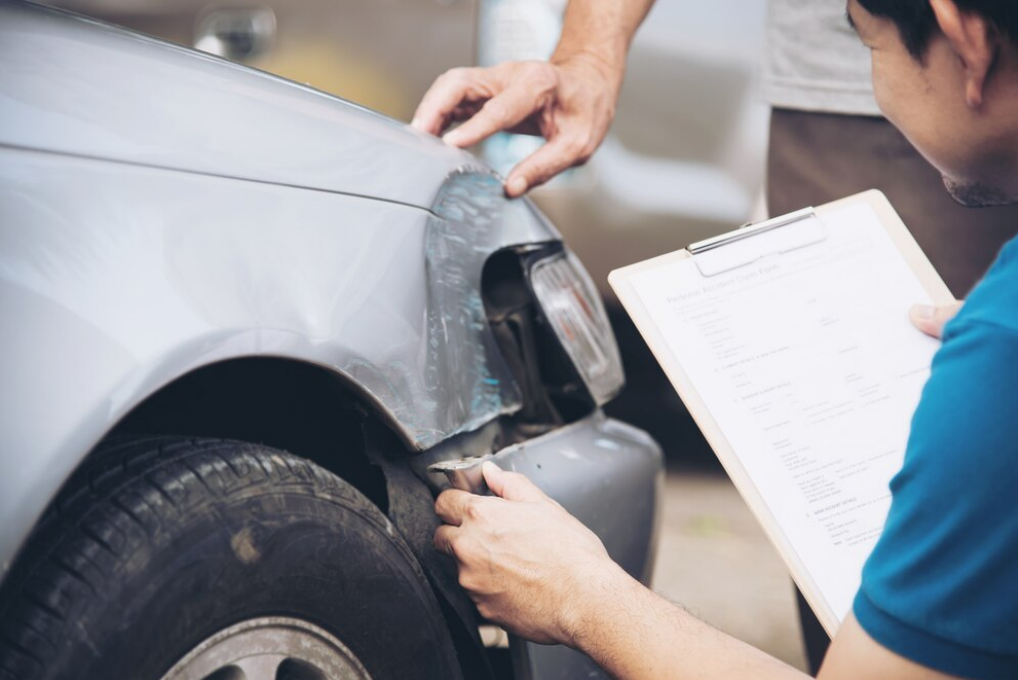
(608, 475)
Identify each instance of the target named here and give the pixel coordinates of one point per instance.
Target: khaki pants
(815, 158)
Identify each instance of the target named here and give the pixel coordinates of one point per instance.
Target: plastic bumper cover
(608, 475)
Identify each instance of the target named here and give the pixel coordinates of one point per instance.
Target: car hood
(75, 86)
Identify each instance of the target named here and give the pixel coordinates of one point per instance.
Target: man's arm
(536, 570)
(636, 634)
(569, 100)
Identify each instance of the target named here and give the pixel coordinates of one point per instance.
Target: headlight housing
(573, 308)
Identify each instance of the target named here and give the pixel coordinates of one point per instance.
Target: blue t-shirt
(941, 587)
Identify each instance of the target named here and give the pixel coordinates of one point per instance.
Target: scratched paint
(462, 355)
(459, 380)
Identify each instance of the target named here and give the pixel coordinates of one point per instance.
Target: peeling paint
(460, 348)
(460, 380)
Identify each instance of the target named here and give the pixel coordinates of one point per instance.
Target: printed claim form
(791, 346)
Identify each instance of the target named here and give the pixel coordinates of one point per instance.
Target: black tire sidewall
(310, 548)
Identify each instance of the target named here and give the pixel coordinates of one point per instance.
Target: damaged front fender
(461, 381)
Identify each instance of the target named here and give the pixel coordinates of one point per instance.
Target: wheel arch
(323, 416)
(318, 414)
(297, 406)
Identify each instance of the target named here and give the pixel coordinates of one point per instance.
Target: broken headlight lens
(573, 308)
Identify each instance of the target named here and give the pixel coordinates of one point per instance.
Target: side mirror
(236, 33)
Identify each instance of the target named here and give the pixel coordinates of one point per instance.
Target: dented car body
(196, 248)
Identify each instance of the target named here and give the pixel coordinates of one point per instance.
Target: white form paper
(808, 364)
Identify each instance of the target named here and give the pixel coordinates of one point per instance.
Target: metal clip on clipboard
(747, 245)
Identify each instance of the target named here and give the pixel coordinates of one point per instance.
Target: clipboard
(714, 257)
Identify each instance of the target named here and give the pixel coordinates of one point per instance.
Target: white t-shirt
(814, 61)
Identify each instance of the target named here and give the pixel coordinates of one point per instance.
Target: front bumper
(608, 475)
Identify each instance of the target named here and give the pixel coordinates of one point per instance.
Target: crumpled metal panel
(462, 380)
(470, 223)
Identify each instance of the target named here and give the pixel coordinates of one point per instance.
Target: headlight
(574, 310)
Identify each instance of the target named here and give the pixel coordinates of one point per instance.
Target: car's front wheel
(178, 559)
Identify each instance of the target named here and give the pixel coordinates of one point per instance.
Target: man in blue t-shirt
(939, 594)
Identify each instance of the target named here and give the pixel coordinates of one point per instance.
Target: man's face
(926, 100)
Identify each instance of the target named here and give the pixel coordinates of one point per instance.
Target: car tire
(171, 558)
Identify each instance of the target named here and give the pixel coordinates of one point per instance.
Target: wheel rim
(269, 648)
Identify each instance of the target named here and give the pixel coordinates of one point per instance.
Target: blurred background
(684, 161)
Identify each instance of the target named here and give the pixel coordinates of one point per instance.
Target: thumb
(511, 486)
(931, 320)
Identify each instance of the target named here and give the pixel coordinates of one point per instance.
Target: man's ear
(975, 42)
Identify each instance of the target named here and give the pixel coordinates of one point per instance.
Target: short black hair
(916, 22)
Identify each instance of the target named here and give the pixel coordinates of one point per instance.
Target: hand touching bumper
(527, 563)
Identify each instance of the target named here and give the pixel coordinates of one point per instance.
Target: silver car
(249, 330)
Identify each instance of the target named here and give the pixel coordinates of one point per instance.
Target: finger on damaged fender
(453, 506)
(557, 154)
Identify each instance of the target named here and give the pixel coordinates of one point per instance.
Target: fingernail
(451, 137)
(416, 122)
(922, 312)
(517, 186)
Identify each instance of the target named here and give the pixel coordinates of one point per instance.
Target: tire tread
(99, 514)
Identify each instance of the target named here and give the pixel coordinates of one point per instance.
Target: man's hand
(568, 101)
(533, 568)
(931, 320)
(527, 563)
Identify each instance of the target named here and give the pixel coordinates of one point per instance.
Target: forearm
(534, 568)
(601, 30)
(635, 634)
